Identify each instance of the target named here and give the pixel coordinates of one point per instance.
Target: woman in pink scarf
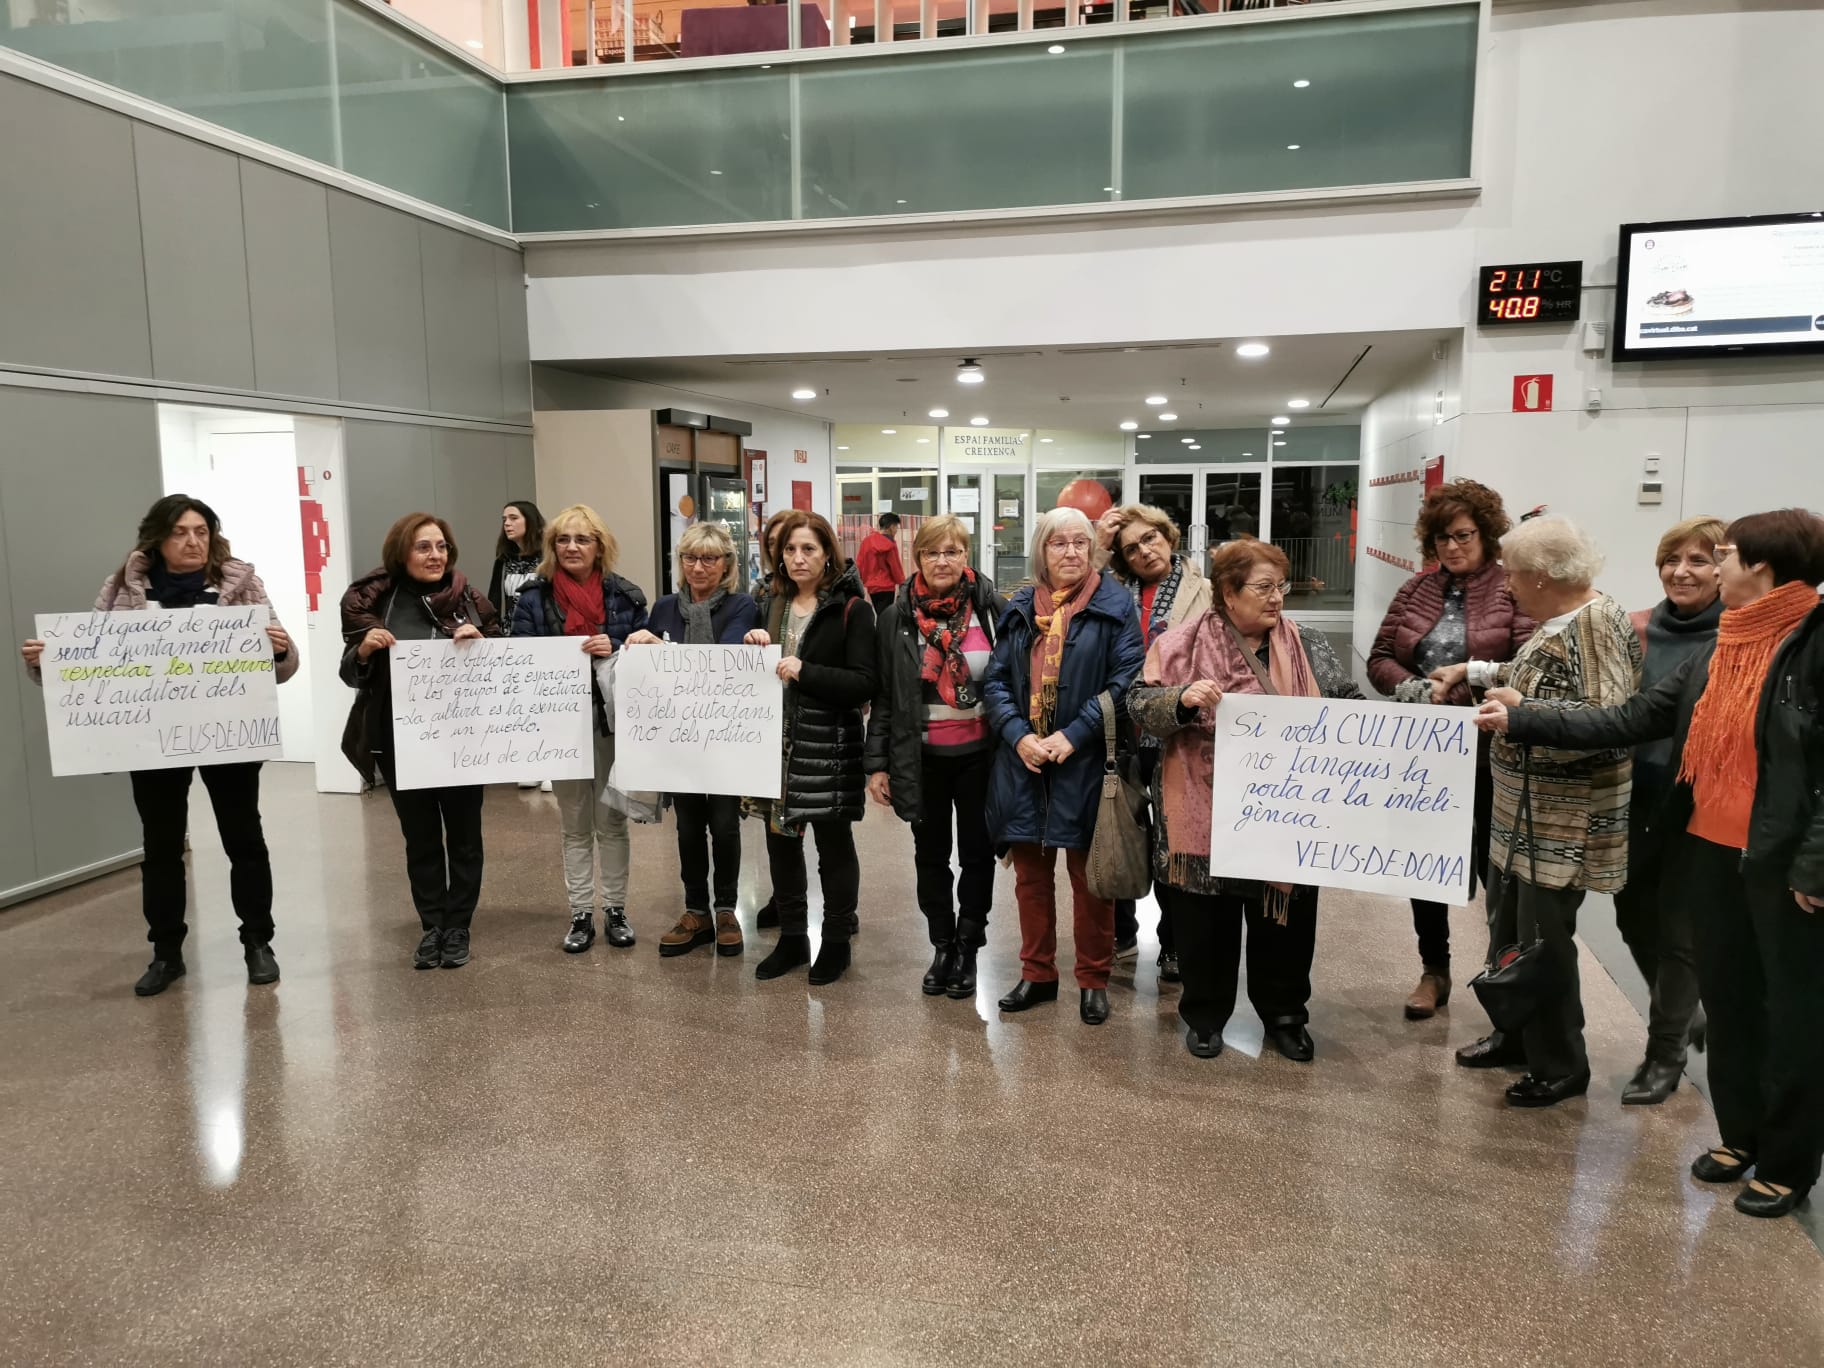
(1245, 644)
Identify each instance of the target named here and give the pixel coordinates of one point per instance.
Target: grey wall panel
(378, 284)
(521, 470)
(18, 861)
(389, 475)
(72, 281)
(471, 478)
(196, 260)
(106, 448)
(461, 322)
(515, 344)
(294, 316)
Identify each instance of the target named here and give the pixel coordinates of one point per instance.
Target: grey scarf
(699, 628)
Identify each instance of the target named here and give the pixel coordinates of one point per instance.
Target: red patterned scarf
(580, 601)
(943, 623)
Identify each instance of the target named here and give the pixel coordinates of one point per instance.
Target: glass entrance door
(1211, 504)
(994, 506)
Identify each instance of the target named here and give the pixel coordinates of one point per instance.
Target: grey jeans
(590, 826)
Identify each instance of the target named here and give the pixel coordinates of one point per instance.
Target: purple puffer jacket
(129, 589)
(1497, 628)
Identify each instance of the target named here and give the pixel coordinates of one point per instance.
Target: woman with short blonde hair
(577, 594)
(711, 539)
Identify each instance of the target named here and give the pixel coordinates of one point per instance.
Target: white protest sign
(489, 711)
(699, 719)
(159, 688)
(1344, 794)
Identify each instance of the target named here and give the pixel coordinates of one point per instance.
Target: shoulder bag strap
(1260, 671)
(1107, 702)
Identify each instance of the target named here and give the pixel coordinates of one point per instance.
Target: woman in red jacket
(1455, 610)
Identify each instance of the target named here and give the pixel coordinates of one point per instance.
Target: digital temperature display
(1538, 292)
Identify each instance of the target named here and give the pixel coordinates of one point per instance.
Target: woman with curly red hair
(1457, 609)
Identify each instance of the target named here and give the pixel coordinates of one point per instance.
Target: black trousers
(706, 822)
(883, 600)
(1761, 963)
(954, 785)
(1209, 930)
(443, 856)
(1654, 915)
(1431, 920)
(163, 799)
(1518, 914)
(838, 871)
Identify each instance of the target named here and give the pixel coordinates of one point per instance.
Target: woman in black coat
(816, 610)
(930, 751)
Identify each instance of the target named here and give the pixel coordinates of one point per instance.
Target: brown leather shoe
(693, 929)
(728, 933)
(1432, 993)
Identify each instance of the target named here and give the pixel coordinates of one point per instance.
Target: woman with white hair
(1560, 824)
(1066, 639)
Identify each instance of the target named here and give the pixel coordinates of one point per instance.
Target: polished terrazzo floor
(616, 1159)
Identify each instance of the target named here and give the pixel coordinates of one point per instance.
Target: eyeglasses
(1455, 538)
(427, 548)
(951, 554)
(701, 560)
(1152, 537)
(1724, 550)
(1268, 588)
(1077, 544)
(576, 539)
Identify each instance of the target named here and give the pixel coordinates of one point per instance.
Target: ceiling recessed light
(1187, 440)
(1298, 403)
(1055, 49)
(969, 373)
(620, 118)
(1168, 417)
(940, 413)
(715, 173)
(1247, 453)
(1195, 447)
(1046, 441)
(924, 441)
(1155, 399)
(1281, 421)
(978, 421)
(889, 432)
(1293, 147)
(1300, 84)
(1252, 349)
(899, 201)
(842, 448)
(1146, 436)
(804, 394)
(1129, 425)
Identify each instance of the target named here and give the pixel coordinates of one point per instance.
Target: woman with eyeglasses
(1245, 644)
(929, 747)
(577, 594)
(1066, 639)
(1456, 609)
(417, 594)
(1743, 714)
(710, 611)
(1167, 589)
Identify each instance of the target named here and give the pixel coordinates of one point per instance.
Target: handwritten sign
(699, 719)
(491, 711)
(159, 689)
(1371, 796)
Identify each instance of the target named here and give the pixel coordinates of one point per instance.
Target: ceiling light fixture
(1129, 425)
(1293, 147)
(1300, 84)
(842, 448)
(715, 173)
(1146, 436)
(804, 394)
(1281, 421)
(940, 413)
(1155, 399)
(1168, 417)
(978, 421)
(889, 432)
(1187, 440)
(970, 373)
(1196, 447)
(1251, 350)
(1055, 49)
(924, 441)
(1045, 441)
(1298, 403)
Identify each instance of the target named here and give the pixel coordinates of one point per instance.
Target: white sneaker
(545, 787)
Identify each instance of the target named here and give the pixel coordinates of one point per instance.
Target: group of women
(1674, 757)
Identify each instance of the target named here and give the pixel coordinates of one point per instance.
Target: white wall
(603, 458)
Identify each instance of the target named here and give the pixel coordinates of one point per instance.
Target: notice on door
(159, 689)
(699, 719)
(491, 711)
(1344, 794)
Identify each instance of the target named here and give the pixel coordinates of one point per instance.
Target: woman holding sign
(1065, 641)
(577, 594)
(712, 610)
(1245, 645)
(180, 560)
(816, 610)
(417, 594)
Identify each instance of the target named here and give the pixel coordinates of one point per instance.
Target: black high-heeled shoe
(1029, 993)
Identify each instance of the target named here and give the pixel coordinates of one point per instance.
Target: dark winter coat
(623, 613)
(365, 606)
(1786, 830)
(896, 733)
(1102, 652)
(1496, 626)
(824, 737)
(734, 618)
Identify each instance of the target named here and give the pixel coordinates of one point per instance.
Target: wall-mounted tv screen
(1720, 287)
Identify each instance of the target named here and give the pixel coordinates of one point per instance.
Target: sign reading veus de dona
(699, 719)
(1371, 796)
(159, 688)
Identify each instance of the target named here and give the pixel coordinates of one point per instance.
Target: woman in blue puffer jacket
(1064, 641)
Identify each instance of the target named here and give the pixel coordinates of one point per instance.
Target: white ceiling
(1085, 389)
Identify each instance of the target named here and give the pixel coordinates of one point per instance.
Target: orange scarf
(1719, 761)
(1052, 616)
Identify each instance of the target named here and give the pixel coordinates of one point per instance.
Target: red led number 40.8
(1515, 306)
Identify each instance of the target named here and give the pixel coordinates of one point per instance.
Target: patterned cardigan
(1580, 799)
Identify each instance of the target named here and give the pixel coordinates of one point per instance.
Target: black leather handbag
(1519, 977)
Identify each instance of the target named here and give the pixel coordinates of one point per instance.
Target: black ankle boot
(833, 956)
(159, 975)
(961, 983)
(937, 977)
(791, 952)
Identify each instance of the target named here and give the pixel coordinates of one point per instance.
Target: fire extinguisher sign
(1532, 394)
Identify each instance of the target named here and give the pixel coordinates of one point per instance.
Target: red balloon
(1088, 495)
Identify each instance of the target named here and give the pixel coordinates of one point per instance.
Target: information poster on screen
(699, 719)
(159, 689)
(1732, 285)
(1371, 796)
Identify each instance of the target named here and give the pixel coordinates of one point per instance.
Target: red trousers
(1093, 919)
